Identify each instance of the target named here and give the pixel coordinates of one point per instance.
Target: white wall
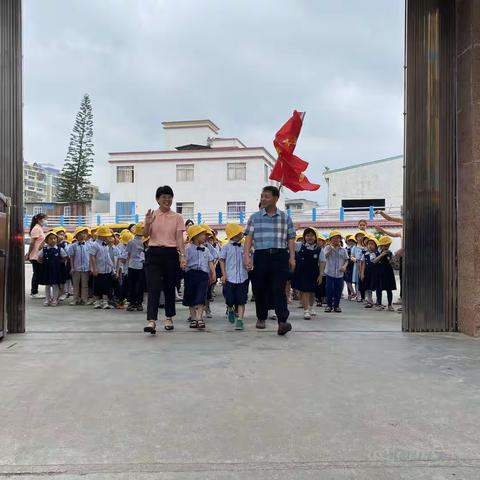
(210, 191)
(377, 180)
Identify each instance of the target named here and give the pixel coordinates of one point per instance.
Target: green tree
(74, 179)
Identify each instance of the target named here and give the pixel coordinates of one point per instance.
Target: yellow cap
(69, 237)
(207, 228)
(385, 241)
(372, 239)
(51, 232)
(334, 233)
(59, 229)
(232, 230)
(139, 229)
(80, 229)
(195, 230)
(103, 231)
(360, 233)
(126, 236)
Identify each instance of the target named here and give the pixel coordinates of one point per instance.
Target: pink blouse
(164, 228)
(37, 237)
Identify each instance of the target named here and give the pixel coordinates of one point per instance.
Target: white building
(378, 184)
(40, 182)
(207, 174)
(301, 207)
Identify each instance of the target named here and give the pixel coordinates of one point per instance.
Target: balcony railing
(221, 218)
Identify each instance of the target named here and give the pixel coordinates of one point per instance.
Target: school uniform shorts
(236, 293)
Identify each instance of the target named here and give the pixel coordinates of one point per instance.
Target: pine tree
(74, 179)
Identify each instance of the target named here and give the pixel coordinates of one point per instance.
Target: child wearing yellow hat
(357, 253)
(369, 269)
(135, 251)
(335, 260)
(79, 266)
(305, 276)
(214, 247)
(52, 257)
(348, 277)
(199, 274)
(65, 288)
(102, 268)
(385, 275)
(234, 275)
(122, 268)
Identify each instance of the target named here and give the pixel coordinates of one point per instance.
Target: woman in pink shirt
(36, 243)
(164, 257)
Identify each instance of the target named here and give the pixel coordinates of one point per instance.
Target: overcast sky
(244, 64)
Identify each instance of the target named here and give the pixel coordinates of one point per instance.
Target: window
(185, 173)
(125, 209)
(236, 171)
(363, 205)
(37, 210)
(67, 211)
(266, 173)
(185, 209)
(125, 174)
(234, 209)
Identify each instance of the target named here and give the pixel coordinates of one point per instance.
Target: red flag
(289, 168)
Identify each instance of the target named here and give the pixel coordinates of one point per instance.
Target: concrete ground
(85, 394)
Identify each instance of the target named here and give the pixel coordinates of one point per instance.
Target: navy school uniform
(306, 268)
(371, 271)
(385, 275)
(348, 276)
(197, 275)
(66, 266)
(53, 263)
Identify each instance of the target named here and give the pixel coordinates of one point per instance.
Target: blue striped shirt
(233, 256)
(270, 231)
(81, 259)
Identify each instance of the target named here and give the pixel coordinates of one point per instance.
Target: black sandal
(168, 325)
(151, 328)
(193, 324)
(201, 324)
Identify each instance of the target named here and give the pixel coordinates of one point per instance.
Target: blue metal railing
(221, 218)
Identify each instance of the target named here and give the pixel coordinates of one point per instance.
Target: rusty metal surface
(430, 291)
(11, 155)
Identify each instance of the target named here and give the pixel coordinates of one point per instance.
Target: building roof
(364, 164)
(191, 124)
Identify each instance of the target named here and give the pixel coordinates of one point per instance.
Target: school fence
(222, 218)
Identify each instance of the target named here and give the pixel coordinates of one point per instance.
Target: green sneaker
(239, 324)
(231, 315)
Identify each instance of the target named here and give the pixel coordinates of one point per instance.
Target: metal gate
(4, 235)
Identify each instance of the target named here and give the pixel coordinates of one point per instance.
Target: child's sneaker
(62, 297)
(131, 308)
(337, 310)
(46, 303)
(208, 312)
(390, 308)
(379, 308)
(239, 324)
(313, 313)
(90, 301)
(306, 315)
(54, 303)
(106, 305)
(231, 315)
(368, 305)
(139, 308)
(97, 305)
(328, 309)
(74, 303)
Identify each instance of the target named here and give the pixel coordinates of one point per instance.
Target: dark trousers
(334, 291)
(161, 269)
(389, 297)
(400, 272)
(271, 270)
(135, 286)
(36, 277)
(103, 285)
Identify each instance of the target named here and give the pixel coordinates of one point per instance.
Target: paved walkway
(85, 394)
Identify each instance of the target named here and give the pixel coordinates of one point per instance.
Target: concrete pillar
(11, 154)
(468, 164)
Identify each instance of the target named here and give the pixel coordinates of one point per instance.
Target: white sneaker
(307, 315)
(46, 303)
(106, 305)
(313, 313)
(74, 303)
(63, 297)
(97, 305)
(90, 301)
(37, 295)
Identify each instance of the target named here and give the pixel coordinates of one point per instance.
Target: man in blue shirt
(272, 235)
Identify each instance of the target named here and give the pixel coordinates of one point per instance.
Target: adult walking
(37, 237)
(271, 233)
(164, 257)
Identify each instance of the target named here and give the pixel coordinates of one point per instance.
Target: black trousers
(271, 269)
(161, 270)
(135, 286)
(103, 285)
(36, 277)
(401, 275)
